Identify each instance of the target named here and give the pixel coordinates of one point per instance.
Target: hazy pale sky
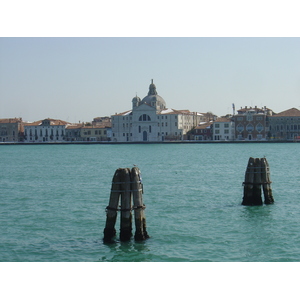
(47, 71)
(81, 78)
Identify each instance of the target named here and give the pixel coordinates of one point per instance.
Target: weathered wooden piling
(266, 182)
(126, 216)
(112, 208)
(126, 184)
(138, 205)
(257, 175)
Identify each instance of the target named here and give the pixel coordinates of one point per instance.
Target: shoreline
(164, 142)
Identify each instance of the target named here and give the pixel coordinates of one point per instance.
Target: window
(249, 117)
(226, 125)
(217, 125)
(144, 117)
(259, 127)
(249, 127)
(240, 127)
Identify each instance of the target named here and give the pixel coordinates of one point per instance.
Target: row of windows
(41, 132)
(259, 127)
(287, 127)
(217, 137)
(249, 118)
(45, 139)
(163, 133)
(226, 125)
(97, 132)
(6, 133)
(158, 124)
(226, 131)
(292, 119)
(249, 137)
(145, 117)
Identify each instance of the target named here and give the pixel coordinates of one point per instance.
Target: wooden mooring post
(257, 175)
(127, 185)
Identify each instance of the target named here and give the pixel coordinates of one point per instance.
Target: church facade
(150, 120)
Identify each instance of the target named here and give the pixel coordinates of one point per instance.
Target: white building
(150, 121)
(48, 130)
(223, 129)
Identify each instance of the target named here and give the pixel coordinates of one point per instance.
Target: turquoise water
(53, 200)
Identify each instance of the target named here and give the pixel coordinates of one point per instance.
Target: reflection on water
(134, 251)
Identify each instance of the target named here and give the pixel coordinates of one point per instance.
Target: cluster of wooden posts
(126, 186)
(257, 175)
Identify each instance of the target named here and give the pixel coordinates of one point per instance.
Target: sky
(77, 78)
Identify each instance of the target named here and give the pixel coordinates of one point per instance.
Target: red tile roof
(223, 120)
(292, 112)
(52, 122)
(14, 120)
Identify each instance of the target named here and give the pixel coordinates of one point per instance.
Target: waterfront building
(223, 129)
(105, 121)
(252, 123)
(285, 125)
(93, 133)
(150, 120)
(47, 130)
(87, 133)
(73, 132)
(203, 132)
(11, 130)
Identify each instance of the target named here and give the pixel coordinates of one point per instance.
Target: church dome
(153, 98)
(136, 99)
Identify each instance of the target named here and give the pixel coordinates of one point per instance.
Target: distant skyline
(82, 78)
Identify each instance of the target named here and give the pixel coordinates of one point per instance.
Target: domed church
(150, 120)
